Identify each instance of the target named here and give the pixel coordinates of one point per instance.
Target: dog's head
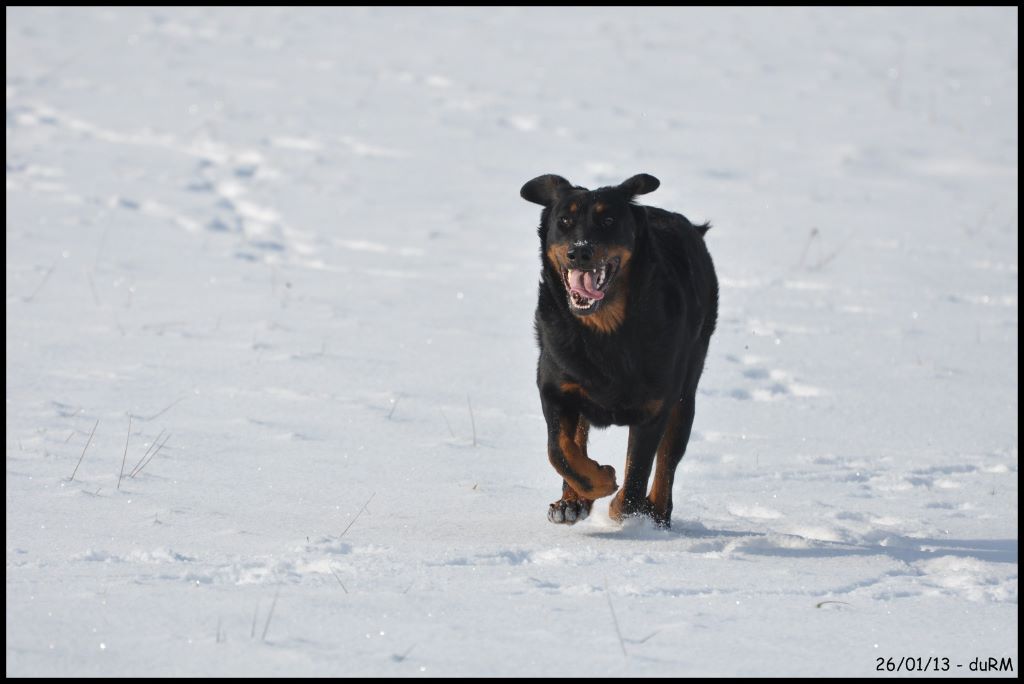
(589, 236)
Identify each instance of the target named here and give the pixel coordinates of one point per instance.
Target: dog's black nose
(580, 255)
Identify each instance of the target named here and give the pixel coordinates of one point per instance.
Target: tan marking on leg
(582, 435)
(661, 489)
(653, 406)
(582, 470)
(615, 507)
(568, 493)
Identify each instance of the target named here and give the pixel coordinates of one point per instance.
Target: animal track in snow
(767, 384)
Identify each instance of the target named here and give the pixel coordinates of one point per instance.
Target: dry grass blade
(163, 410)
(450, 431)
(615, 619)
(166, 439)
(824, 603)
(357, 515)
(86, 447)
(92, 286)
(255, 614)
(135, 468)
(270, 615)
(394, 405)
(472, 421)
(125, 457)
(807, 246)
(39, 287)
(337, 578)
(400, 658)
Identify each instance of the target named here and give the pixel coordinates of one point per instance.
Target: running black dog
(628, 301)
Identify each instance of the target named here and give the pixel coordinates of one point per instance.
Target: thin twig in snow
(394, 405)
(471, 419)
(807, 246)
(399, 658)
(165, 409)
(125, 458)
(842, 603)
(86, 447)
(39, 287)
(152, 457)
(92, 286)
(357, 515)
(255, 612)
(135, 468)
(103, 238)
(615, 620)
(269, 616)
(450, 431)
(825, 260)
(337, 578)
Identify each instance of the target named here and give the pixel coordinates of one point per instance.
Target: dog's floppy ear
(545, 190)
(640, 184)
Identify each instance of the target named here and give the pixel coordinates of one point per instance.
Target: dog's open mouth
(587, 288)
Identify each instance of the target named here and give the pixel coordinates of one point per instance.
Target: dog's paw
(621, 508)
(604, 484)
(660, 521)
(569, 511)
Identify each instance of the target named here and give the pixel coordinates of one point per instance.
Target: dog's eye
(565, 221)
(608, 221)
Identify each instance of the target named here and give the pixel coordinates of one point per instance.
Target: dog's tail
(703, 228)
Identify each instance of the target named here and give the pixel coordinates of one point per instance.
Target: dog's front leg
(588, 478)
(643, 443)
(571, 508)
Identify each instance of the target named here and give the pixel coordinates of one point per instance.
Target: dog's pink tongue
(582, 283)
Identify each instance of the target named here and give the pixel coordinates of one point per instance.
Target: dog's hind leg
(572, 507)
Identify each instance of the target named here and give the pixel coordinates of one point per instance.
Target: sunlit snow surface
(290, 243)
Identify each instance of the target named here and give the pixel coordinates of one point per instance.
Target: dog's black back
(637, 357)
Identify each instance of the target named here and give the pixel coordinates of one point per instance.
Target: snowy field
(289, 245)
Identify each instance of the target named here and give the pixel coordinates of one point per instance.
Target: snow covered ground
(290, 243)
